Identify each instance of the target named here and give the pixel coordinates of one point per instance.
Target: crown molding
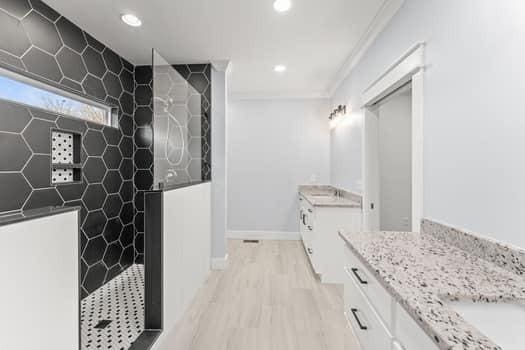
(380, 21)
(239, 96)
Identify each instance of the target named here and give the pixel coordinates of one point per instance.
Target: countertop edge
(441, 343)
(178, 186)
(32, 214)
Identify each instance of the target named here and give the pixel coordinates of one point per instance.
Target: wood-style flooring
(267, 299)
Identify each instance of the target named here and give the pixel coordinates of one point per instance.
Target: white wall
(473, 114)
(273, 146)
(395, 162)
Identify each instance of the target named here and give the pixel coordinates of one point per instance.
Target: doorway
(393, 149)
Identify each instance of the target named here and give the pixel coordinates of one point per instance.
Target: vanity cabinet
(319, 226)
(377, 320)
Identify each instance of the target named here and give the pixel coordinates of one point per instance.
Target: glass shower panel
(177, 128)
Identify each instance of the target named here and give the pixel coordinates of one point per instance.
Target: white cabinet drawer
(377, 295)
(366, 324)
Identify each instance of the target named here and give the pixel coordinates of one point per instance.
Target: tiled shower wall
(36, 39)
(199, 76)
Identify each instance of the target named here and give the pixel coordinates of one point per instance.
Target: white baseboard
(264, 235)
(219, 263)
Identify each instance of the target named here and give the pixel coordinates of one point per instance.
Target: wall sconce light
(337, 113)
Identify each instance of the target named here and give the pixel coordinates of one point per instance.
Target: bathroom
(197, 175)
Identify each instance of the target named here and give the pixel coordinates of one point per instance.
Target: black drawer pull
(310, 251)
(309, 210)
(310, 228)
(354, 271)
(361, 325)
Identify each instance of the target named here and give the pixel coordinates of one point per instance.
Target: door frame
(409, 68)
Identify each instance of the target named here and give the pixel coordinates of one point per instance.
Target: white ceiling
(315, 39)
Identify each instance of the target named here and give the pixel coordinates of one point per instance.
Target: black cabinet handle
(309, 210)
(304, 219)
(310, 251)
(310, 228)
(362, 281)
(361, 325)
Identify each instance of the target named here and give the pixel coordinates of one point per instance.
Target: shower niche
(66, 167)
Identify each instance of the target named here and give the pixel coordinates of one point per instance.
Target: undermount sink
(503, 323)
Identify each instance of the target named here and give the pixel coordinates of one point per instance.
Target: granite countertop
(421, 272)
(326, 196)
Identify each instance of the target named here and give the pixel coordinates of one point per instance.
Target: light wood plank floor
(267, 299)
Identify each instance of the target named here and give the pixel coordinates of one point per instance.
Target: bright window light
(280, 68)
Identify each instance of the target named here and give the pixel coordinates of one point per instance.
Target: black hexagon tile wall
(116, 162)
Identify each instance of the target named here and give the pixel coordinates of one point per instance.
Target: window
(33, 93)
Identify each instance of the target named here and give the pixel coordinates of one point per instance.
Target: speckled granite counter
(329, 196)
(421, 271)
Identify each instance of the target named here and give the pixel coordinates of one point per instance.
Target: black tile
(41, 114)
(13, 37)
(139, 200)
(94, 197)
(14, 191)
(143, 158)
(112, 255)
(43, 198)
(126, 191)
(126, 169)
(126, 78)
(127, 235)
(112, 157)
(38, 135)
(112, 84)
(42, 63)
(71, 192)
(139, 243)
(94, 169)
(71, 124)
(143, 137)
(37, 171)
(95, 126)
(17, 8)
(114, 271)
(71, 35)
(94, 143)
(112, 135)
(183, 70)
(42, 32)
(112, 181)
(112, 61)
(94, 223)
(13, 117)
(199, 82)
(93, 86)
(139, 224)
(143, 95)
(126, 103)
(71, 64)
(113, 230)
(127, 65)
(72, 84)
(126, 124)
(94, 62)
(11, 60)
(128, 255)
(143, 74)
(127, 213)
(45, 10)
(143, 180)
(14, 152)
(94, 43)
(126, 147)
(140, 260)
(143, 116)
(197, 68)
(112, 206)
(95, 276)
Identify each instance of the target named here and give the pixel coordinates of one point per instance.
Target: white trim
(222, 65)
(264, 235)
(239, 96)
(219, 263)
(379, 23)
(409, 68)
(398, 74)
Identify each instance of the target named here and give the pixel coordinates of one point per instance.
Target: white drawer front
(377, 295)
(366, 324)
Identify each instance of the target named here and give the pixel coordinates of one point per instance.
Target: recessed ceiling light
(279, 68)
(131, 20)
(282, 5)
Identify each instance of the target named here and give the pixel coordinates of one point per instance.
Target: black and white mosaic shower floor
(120, 301)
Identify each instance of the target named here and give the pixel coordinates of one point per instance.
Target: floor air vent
(250, 241)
